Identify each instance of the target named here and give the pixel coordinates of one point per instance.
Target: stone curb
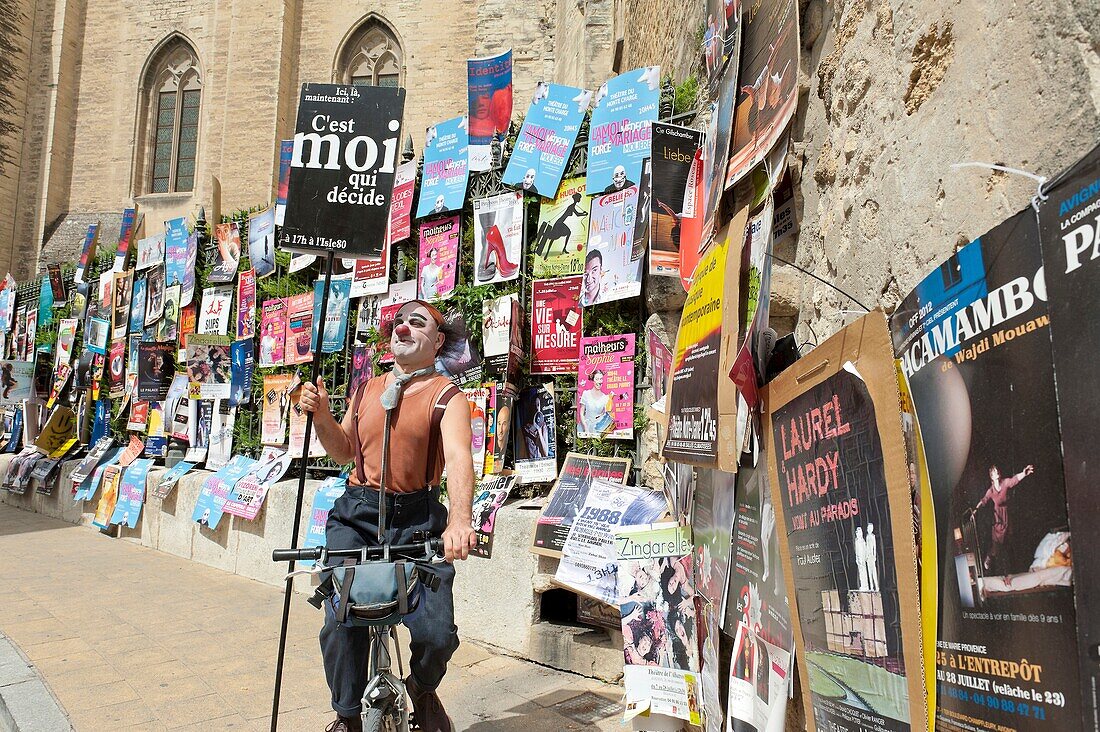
(26, 702)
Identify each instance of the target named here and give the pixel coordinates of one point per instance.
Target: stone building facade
(95, 82)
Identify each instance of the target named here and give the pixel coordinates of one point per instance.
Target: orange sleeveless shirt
(408, 434)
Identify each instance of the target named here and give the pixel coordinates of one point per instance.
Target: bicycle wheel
(378, 720)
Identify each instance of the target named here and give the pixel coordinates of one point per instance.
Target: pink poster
(605, 387)
(555, 325)
(401, 202)
(246, 304)
(438, 274)
(273, 332)
(299, 329)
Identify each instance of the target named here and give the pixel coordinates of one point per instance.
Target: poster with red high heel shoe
(498, 237)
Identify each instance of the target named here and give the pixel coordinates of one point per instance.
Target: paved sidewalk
(130, 638)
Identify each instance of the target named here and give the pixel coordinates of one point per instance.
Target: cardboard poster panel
(841, 494)
(702, 400)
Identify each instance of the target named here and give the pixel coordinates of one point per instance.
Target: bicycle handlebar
(425, 549)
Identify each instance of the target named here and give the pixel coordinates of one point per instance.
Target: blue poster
(175, 252)
(131, 493)
(323, 501)
(211, 504)
(546, 140)
(619, 136)
(242, 365)
(336, 315)
(16, 432)
(45, 303)
(137, 305)
(446, 169)
(101, 421)
(489, 88)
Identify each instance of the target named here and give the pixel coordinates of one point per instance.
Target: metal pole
(313, 371)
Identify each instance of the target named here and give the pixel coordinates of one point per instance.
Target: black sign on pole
(342, 169)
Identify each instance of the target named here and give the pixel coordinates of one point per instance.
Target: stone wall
(894, 93)
(16, 27)
(664, 32)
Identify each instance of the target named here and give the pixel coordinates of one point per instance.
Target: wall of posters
(568, 494)
(769, 84)
(446, 169)
(536, 448)
(619, 134)
(974, 342)
(341, 176)
(261, 242)
(498, 238)
(674, 151)
(546, 139)
(489, 87)
(1068, 236)
(610, 270)
(605, 387)
(490, 495)
(556, 325)
(439, 244)
(841, 494)
(559, 244)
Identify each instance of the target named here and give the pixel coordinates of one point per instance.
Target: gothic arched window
(172, 94)
(371, 57)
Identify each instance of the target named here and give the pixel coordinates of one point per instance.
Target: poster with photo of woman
(605, 387)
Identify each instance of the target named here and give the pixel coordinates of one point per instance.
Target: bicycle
(385, 700)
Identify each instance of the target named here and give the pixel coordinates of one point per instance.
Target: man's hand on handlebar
(458, 540)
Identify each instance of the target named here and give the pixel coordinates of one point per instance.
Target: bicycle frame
(385, 690)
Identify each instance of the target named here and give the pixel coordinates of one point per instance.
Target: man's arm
(334, 436)
(459, 537)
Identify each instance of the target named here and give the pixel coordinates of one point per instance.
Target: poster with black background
(673, 151)
(1069, 226)
(342, 169)
(836, 517)
(973, 339)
